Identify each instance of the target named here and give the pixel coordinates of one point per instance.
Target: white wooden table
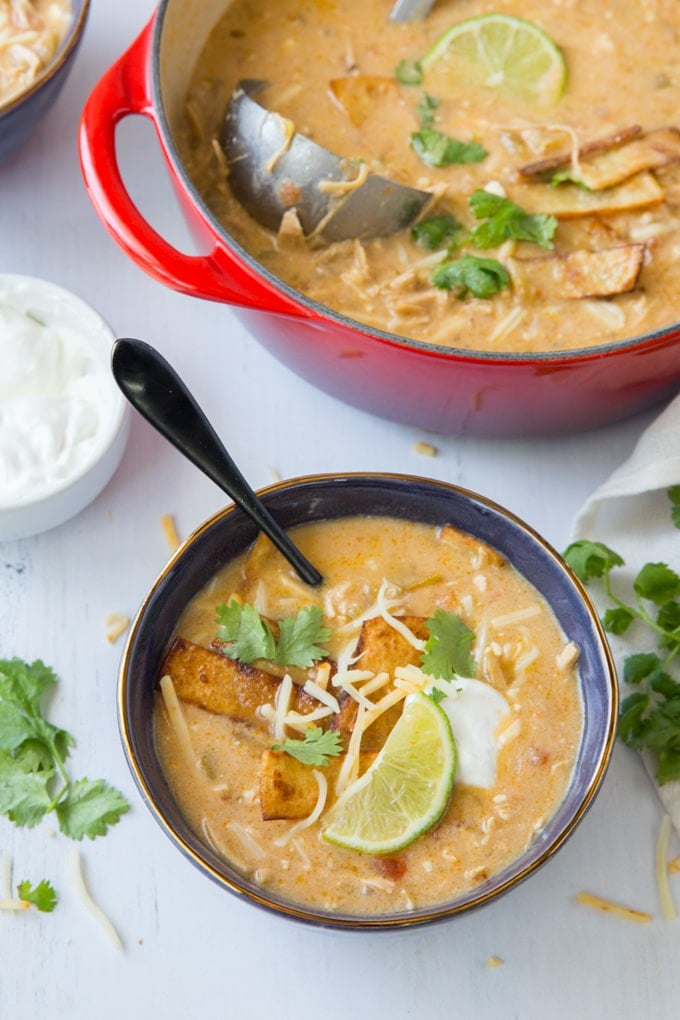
(191, 949)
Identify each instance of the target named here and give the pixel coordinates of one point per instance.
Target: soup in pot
(554, 218)
(276, 700)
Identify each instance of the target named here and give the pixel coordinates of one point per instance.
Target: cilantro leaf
(503, 220)
(437, 149)
(248, 636)
(316, 748)
(426, 107)
(447, 649)
(649, 718)
(591, 559)
(90, 808)
(409, 72)
(481, 277)
(300, 638)
(436, 232)
(656, 582)
(24, 795)
(41, 896)
(674, 496)
(33, 753)
(437, 695)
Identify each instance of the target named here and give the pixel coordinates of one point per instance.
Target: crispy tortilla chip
(224, 686)
(381, 649)
(615, 159)
(481, 553)
(288, 788)
(569, 201)
(580, 274)
(360, 95)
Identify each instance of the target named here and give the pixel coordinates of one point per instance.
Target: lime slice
(499, 52)
(406, 789)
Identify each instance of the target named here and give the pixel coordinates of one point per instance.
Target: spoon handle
(155, 390)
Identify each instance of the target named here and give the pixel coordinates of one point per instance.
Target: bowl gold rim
(401, 920)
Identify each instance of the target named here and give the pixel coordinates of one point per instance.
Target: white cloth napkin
(630, 513)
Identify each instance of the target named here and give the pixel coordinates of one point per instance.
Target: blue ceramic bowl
(20, 116)
(324, 497)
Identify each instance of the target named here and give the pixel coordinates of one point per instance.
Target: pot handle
(124, 90)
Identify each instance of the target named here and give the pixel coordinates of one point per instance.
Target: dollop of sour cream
(57, 398)
(477, 712)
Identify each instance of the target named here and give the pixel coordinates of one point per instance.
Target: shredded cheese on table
(609, 907)
(170, 531)
(90, 904)
(663, 885)
(117, 623)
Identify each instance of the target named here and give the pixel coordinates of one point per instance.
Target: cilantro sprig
(649, 718)
(447, 651)
(472, 274)
(315, 748)
(34, 780)
(248, 636)
(41, 896)
(502, 220)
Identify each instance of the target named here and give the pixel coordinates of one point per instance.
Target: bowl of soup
(39, 40)
(255, 708)
(534, 293)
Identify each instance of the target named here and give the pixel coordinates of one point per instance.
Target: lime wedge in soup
(407, 788)
(500, 52)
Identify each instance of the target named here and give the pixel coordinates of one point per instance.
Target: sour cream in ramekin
(63, 422)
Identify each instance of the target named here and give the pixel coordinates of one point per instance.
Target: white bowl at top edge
(26, 514)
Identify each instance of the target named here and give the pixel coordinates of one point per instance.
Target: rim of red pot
(666, 336)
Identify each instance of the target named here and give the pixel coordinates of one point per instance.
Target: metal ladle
(155, 390)
(273, 168)
(409, 10)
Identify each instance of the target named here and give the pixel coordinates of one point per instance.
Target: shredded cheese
(321, 695)
(117, 623)
(609, 907)
(350, 766)
(494, 961)
(304, 823)
(667, 905)
(169, 530)
(517, 617)
(568, 655)
(176, 717)
(425, 449)
(281, 705)
(90, 904)
(393, 621)
(246, 839)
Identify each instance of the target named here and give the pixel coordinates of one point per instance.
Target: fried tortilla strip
(580, 274)
(570, 202)
(288, 788)
(481, 553)
(381, 649)
(224, 686)
(615, 159)
(362, 95)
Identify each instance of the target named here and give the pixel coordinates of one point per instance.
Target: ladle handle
(155, 390)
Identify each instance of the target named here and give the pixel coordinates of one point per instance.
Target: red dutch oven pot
(438, 389)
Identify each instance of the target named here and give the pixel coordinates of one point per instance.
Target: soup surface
(602, 159)
(30, 34)
(516, 717)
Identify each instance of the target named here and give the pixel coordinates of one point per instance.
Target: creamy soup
(516, 719)
(30, 34)
(602, 159)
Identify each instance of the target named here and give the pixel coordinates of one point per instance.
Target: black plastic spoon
(155, 390)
